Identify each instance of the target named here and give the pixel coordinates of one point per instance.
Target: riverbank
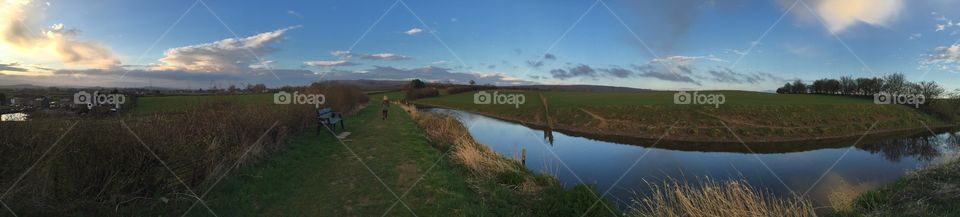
(749, 117)
(933, 191)
(381, 160)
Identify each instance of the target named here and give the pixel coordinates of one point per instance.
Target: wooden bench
(326, 117)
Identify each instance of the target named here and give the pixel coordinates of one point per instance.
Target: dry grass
(446, 129)
(712, 198)
(99, 166)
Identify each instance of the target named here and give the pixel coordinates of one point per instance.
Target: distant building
(16, 101)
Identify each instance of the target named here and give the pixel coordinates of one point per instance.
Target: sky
(669, 45)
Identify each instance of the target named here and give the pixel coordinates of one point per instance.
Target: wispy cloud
(384, 56)
(413, 31)
(429, 73)
(943, 58)
(323, 63)
(227, 55)
(294, 14)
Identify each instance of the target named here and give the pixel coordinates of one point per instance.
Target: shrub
(422, 93)
(340, 97)
(461, 89)
(100, 166)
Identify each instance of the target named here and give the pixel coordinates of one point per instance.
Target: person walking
(385, 107)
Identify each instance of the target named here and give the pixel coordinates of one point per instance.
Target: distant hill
(21, 86)
(372, 85)
(585, 88)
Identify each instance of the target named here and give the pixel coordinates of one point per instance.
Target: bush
(461, 89)
(99, 166)
(422, 93)
(340, 97)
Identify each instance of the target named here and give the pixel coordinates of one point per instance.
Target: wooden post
(523, 157)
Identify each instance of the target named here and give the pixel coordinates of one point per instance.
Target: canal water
(624, 170)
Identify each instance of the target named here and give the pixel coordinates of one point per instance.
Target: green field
(753, 116)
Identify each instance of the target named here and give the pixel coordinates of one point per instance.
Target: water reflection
(781, 168)
(923, 148)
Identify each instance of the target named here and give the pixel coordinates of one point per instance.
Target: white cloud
(384, 56)
(230, 55)
(321, 63)
(17, 19)
(413, 31)
(295, 14)
(684, 59)
(839, 15)
(944, 58)
(342, 53)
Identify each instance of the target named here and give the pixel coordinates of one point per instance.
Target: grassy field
(754, 117)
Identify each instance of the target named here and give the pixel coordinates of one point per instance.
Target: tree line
(893, 83)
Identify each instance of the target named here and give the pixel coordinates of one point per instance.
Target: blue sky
(683, 44)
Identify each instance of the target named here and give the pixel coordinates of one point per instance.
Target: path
(319, 176)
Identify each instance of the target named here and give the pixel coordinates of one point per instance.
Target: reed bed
(713, 198)
(104, 166)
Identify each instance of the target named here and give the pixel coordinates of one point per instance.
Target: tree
(785, 89)
(798, 87)
(472, 82)
(895, 83)
(848, 86)
(928, 89)
(832, 86)
(417, 84)
(258, 88)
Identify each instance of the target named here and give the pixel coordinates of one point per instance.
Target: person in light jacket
(385, 107)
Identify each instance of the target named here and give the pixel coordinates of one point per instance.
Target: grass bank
(933, 191)
(436, 169)
(753, 116)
